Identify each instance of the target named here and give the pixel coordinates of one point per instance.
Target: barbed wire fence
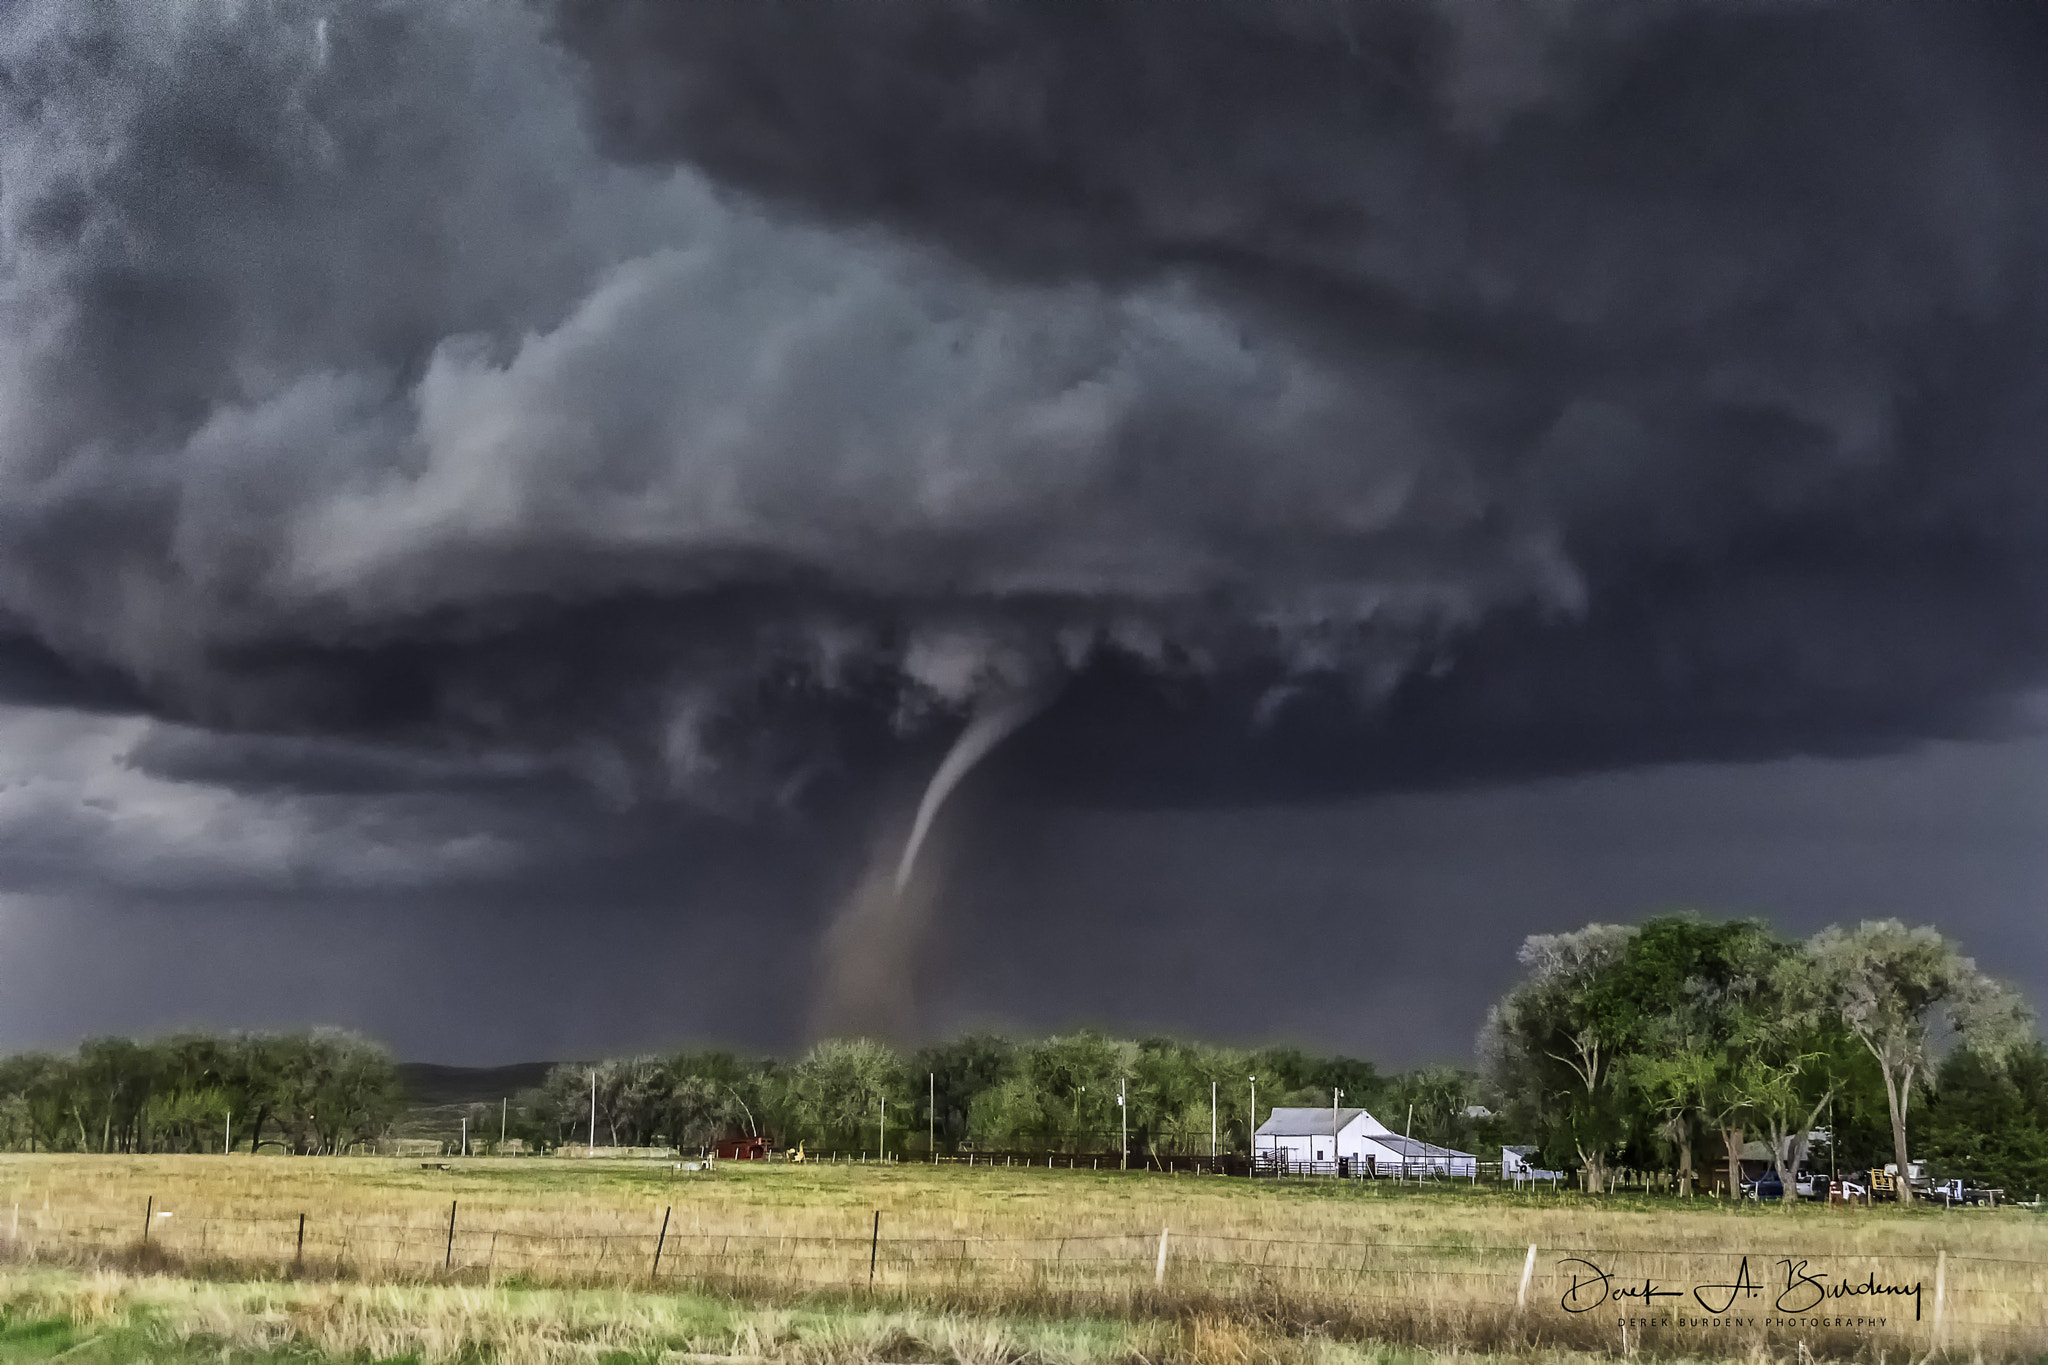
(1433, 1293)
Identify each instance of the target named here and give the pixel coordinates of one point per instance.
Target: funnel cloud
(996, 716)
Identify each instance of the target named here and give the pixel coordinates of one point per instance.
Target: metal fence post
(299, 1256)
(1159, 1272)
(874, 1244)
(1528, 1270)
(659, 1241)
(448, 1261)
(148, 1213)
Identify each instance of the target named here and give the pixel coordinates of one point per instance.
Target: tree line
(1662, 1047)
(314, 1092)
(1655, 1048)
(1645, 1045)
(1081, 1092)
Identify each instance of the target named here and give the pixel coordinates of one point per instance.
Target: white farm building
(1324, 1136)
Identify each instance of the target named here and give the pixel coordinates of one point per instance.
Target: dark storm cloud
(1745, 303)
(696, 399)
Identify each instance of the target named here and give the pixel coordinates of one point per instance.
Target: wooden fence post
(448, 1261)
(148, 1213)
(299, 1257)
(660, 1241)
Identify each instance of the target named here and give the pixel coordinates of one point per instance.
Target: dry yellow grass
(1438, 1267)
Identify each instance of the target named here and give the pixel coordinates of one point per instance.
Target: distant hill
(428, 1086)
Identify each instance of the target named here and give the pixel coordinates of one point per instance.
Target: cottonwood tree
(41, 1088)
(1074, 1078)
(1683, 990)
(1013, 1112)
(1558, 1035)
(1682, 1082)
(324, 1089)
(1795, 1057)
(837, 1090)
(560, 1105)
(356, 1092)
(1899, 991)
(703, 1109)
(957, 1072)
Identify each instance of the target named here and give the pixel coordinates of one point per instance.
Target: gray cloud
(698, 399)
(99, 806)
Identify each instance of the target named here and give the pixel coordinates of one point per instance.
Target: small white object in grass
(163, 1213)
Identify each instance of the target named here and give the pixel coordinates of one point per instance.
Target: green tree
(1439, 1097)
(43, 1088)
(957, 1073)
(1681, 992)
(1987, 1121)
(355, 1090)
(837, 1090)
(559, 1107)
(1013, 1113)
(1074, 1078)
(710, 1095)
(1558, 1037)
(1898, 989)
(1791, 1058)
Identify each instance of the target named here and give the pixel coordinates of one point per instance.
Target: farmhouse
(1355, 1140)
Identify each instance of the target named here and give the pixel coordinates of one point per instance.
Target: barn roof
(1415, 1148)
(1322, 1121)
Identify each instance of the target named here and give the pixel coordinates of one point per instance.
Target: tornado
(995, 718)
(871, 948)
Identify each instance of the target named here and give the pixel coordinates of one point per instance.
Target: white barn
(1516, 1164)
(1325, 1135)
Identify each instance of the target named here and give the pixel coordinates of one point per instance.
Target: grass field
(555, 1259)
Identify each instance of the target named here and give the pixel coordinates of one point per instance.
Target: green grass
(114, 1318)
(40, 1339)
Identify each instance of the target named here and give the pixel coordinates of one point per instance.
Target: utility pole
(1407, 1139)
(1212, 1120)
(1336, 1123)
(227, 1139)
(882, 1131)
(1252, 1123)
(465, 1135)
(931, 1114)
(504, 1106)
(1123, 1119)
(593, 1109)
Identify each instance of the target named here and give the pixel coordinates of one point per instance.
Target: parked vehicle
(1959, 1191)
(1805, 1185)
(1884, 1184)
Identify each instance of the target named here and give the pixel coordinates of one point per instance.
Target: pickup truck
(1805, 1185)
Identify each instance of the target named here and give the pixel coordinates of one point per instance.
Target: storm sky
(504, 504)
